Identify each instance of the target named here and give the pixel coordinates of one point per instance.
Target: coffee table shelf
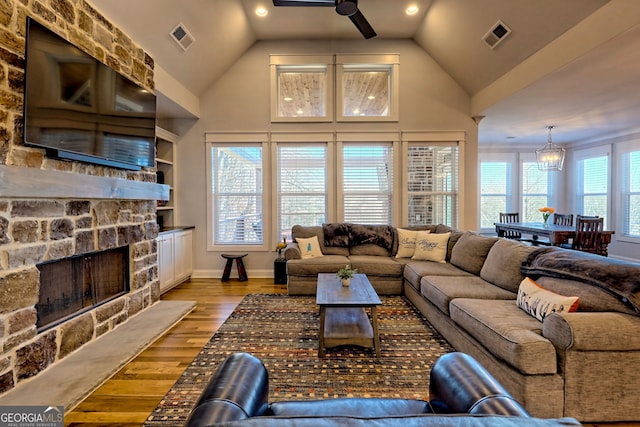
(343, 315)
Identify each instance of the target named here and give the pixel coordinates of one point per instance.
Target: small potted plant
(345, 274)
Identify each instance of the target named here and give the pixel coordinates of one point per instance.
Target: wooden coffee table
(343, 315)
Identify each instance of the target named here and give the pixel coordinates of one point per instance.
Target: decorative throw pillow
(539, 302)
(309, 248)
(431, 247)
(407, 242)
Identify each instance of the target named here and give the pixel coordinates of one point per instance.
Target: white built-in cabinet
(175, 257)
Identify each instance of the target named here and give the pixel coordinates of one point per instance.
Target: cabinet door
(166, 260)
(183, 254)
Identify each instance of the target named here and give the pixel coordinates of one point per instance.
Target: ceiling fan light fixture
(550, 157)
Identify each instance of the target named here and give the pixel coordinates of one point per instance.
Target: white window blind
(368, 183)
(495, 191)
(594, 186)
(535, 191)
(432, 184)
(237, 186)
(302, 186)
(631, 194)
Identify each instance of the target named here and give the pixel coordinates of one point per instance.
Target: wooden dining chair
(563, 219)
(588, 236)
(509, 218)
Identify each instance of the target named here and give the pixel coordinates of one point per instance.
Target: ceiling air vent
(182, 36)
(496, 34)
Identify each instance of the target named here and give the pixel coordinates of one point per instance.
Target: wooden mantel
(31, 183)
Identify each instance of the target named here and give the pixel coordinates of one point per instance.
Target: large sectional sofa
(461, 394)
(582, 364)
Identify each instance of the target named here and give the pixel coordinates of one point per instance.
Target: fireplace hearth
(74, 285)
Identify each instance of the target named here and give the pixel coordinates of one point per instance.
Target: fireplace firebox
(74, 285)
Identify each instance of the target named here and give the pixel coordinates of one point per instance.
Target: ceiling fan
(343, 7)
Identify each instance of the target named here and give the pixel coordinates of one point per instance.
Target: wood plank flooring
(128, 398)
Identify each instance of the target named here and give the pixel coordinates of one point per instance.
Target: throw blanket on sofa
(615, 276)
(346, 235)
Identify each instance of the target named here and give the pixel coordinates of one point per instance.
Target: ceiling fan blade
(362, 24)
(304, 2)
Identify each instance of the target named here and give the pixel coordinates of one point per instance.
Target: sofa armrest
(602, 331)
(292, 251)
(238, 390)
(459, 384)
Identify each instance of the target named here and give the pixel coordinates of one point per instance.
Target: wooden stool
(242, 273)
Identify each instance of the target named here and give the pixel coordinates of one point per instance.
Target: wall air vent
(496, 34)
(182, 36)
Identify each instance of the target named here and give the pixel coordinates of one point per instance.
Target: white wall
(239, 101)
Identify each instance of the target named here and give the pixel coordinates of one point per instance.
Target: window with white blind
(495, 191)
(302, 186)
(367, 183)
(432, 184)
(593, 183)
(535, 191)
(237, 194)
(630, 192)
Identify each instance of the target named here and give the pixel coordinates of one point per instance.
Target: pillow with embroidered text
(406, 243)
(431, 246)
(309, 248)
(539, 302)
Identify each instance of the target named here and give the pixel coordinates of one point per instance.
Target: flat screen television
(78, 108)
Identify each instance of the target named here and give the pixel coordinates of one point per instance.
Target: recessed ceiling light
(371, 97)
(288, 98)
(412, 10)
(261, 11)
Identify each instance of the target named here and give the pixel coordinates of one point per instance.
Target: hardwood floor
(130, 395)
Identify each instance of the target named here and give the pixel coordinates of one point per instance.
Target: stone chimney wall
(34, 229)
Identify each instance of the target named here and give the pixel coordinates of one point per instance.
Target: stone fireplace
(55, 210)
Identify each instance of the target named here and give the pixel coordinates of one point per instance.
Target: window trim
(591, 153)
(302, 61)
(621, 149)
(374, 61)
(237, 139)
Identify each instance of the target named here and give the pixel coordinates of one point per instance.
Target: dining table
(555, 233)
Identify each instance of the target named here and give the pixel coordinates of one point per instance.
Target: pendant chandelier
(550, 157)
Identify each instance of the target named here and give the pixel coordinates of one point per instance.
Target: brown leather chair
(509, 218)
(588, 235)
(563, 219)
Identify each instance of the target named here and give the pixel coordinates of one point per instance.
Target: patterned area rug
(282, 331)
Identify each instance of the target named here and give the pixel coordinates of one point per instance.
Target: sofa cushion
(431, 247)
(316, 230)
(592, 298)
(309, 247)
(369, 249)
(502, 266)
(506, 332)
(311, 267)
(471, 250)
(453, 239)
(406, 243)
(539, 302)
(440, 290)
(376, 265)
(415, 270)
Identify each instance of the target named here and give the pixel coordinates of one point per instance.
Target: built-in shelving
(165, 157)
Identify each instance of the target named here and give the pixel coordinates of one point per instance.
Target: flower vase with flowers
(546, 213)
(281, 245)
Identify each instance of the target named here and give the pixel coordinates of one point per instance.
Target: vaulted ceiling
(571, 63)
